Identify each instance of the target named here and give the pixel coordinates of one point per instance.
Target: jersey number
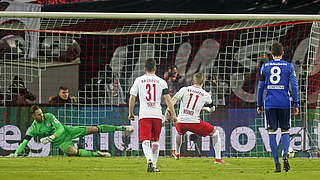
(275, 75)
(195, 102)
(149, 91)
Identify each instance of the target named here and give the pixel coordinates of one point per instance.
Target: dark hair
(277, 49)
(63, 88)
(150, 65)
(33, 108)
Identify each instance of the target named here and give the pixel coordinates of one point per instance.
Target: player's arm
(294, 89)
(209, 106)
(59, 129)
(174, 99)
(261, 84)
(24, 143)
(132, 101)
(171, 107)
(21, 147)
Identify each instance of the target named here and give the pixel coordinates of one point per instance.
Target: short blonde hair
(198, 78)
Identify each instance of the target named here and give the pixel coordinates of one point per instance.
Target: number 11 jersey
(149, 88)
(192, 99)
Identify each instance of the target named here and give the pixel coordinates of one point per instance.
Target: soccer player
(50, 130)
(149, 87)
(192, 100)
(276, 75)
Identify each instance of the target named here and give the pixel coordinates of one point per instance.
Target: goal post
(99, 55)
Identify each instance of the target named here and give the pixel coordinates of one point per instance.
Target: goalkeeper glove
(13, 155)
(48, 139)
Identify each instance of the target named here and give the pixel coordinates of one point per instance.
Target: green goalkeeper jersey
(49, 126)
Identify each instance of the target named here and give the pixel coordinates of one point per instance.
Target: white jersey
(192, 100)
(149, 88)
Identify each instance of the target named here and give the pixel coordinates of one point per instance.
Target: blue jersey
(275, 76)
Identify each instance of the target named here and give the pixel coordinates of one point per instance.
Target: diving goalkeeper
(50, 130)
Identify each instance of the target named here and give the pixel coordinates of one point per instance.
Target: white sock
(147, 149)
(178, 143)
(155, 153)
(216, 144)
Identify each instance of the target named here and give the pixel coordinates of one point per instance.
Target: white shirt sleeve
(178, 95)
(208, 99)
(134, 88)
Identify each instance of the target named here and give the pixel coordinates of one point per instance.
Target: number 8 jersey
(192, 99)
(275, 77)
(149, 88)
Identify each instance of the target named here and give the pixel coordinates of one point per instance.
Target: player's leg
(216, 140)
(75, 132)
(155, 146)
(284, 115)
(178, 140)
(205, 129)
(104, 128)
(272, 126)
(67, 145)
(145, 137)
(69, 149)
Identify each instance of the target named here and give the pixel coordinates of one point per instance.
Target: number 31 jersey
(149, 88)
(192, 99)
(275, 77)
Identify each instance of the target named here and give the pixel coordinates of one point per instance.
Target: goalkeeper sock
(85, 153)
(178, 143)
(285, 142)
(147, 149)
(216, 140)
(155, 153)
(109, 128)
(274, 148)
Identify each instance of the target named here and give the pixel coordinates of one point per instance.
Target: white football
(291, 153)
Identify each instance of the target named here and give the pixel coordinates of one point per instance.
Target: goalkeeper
(50, 130)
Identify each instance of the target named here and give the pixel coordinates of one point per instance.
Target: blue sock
(285, 142)
(274, 147)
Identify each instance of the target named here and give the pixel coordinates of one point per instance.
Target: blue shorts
(278, 118)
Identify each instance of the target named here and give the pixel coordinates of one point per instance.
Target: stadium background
(81, 77)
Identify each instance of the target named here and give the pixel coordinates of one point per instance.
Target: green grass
(132, 168)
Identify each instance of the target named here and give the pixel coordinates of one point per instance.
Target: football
(291, 153)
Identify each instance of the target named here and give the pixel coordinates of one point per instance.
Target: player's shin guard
(178, 143)
(155, 153)
(85, 153)
(216, 144)
(146, 146)
(109, 128)
(285, 142)
(274, 147)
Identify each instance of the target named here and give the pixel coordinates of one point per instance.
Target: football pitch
(132, 168)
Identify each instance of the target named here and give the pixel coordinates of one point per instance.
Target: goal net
(98, 56)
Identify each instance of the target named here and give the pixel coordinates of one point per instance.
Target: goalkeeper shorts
(72, 133)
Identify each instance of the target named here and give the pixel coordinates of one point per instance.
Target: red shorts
(202, 128)
(150, 129)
